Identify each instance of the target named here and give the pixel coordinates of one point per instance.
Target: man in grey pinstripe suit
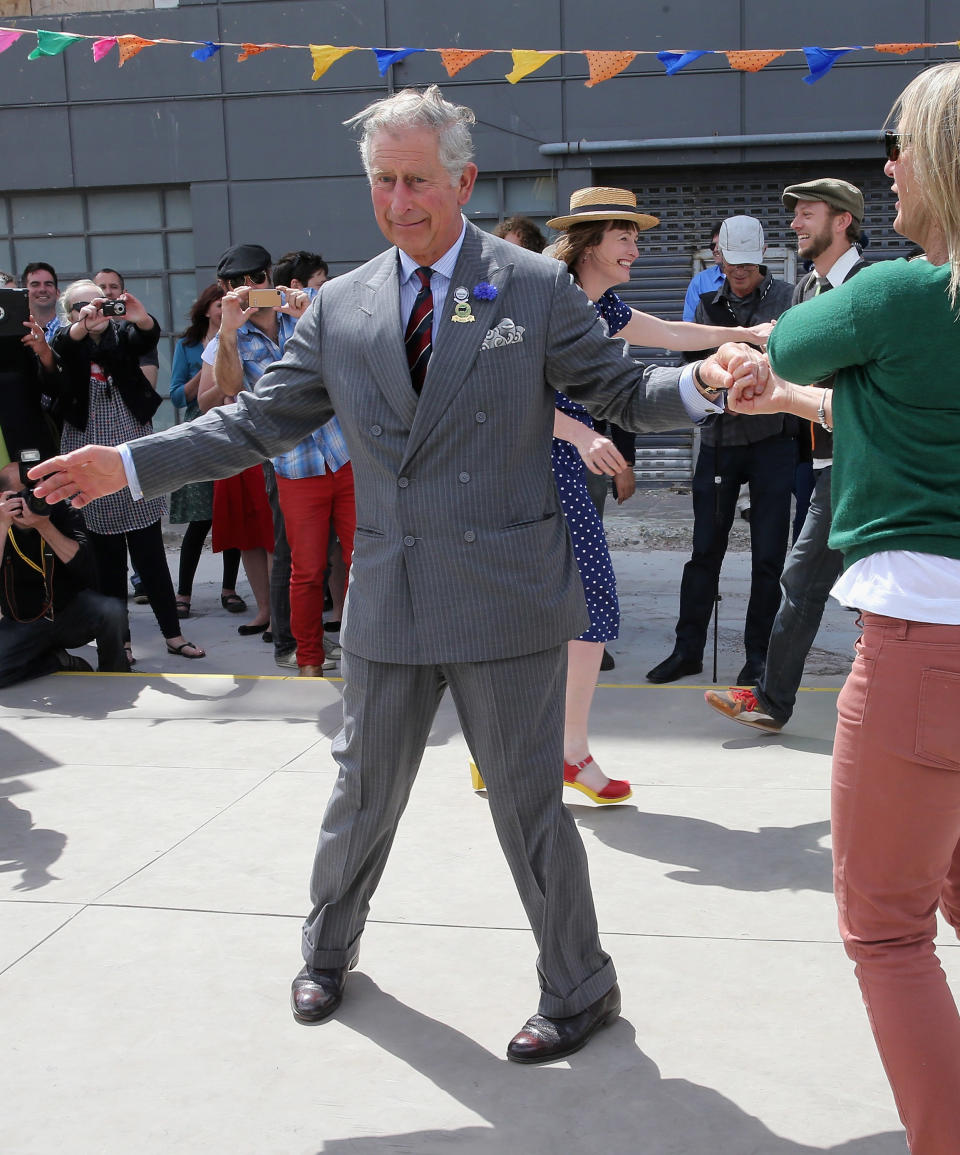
(463, 574)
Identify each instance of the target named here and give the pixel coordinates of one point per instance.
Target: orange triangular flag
(752, 60)
(248, 50)
(603, 65)
(527, 60)
(900, 49)
(323, 56)
(456, 58)
(129, 46)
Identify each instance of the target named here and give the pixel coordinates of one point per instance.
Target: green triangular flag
(51, 43)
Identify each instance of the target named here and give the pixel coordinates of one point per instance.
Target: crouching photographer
(46, 600)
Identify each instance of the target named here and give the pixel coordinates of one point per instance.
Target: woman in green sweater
(893, 336)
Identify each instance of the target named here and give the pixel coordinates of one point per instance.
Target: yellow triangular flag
(526, 61)
(323, 56)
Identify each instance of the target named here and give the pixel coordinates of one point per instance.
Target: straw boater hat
(603, 204)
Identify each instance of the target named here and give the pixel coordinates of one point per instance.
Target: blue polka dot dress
(583, 521)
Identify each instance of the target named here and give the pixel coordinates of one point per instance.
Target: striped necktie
(419, 327)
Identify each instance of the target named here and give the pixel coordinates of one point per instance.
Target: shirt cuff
(133, 482)
(697, 406)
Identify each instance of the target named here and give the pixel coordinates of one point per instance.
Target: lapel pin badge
(461, 309)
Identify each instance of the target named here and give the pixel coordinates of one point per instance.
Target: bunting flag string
(602, 65)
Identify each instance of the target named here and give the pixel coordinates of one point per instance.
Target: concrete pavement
(156, 833)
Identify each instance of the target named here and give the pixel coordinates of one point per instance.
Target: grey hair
(410, 109)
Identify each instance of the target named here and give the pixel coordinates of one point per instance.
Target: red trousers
(311, 506)
(896, 847)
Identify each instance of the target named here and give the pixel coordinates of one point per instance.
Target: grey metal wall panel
(170, 142)
(36, 148)
(210, 208)
(290, 136)
(853, 98)
(331, 217)
(654, 107)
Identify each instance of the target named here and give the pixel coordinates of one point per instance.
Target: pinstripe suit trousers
(511, 711)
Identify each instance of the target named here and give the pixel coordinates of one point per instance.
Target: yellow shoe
(476, 778)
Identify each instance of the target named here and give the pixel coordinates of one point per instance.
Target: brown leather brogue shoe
(316, 994)
(544, 1040)
(311, 672)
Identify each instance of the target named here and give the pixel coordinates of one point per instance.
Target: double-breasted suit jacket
(461, 551)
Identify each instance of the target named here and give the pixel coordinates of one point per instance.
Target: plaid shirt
(325, 448)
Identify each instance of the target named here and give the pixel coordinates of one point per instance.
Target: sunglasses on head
(893, 143)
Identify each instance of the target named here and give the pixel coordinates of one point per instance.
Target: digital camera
(114, 309)
(37, 505)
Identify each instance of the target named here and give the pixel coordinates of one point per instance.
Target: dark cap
(839, 194)
(239, 260)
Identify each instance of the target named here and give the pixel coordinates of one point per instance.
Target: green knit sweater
(891, 335)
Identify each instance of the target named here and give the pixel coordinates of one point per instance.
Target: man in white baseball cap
(737, 450)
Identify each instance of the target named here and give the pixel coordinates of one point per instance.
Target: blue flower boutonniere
(485, 291)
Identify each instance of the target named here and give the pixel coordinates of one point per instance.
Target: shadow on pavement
(611, 1098)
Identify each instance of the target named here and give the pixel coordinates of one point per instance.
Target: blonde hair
(927, 115)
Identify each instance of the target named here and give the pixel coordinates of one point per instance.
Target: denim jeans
(29, 649)
(808, 576)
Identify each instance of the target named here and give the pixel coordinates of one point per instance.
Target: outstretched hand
(82, 476)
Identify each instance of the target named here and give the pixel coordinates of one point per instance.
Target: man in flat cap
(828, 220)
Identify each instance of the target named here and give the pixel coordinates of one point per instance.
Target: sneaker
(329, 662)
(742, 706)
(139, 594)
(288, 660)
(331, 648)
(73, 663)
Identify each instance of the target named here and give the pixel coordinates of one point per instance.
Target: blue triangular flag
(206, 51)
(821, 60)
(674, 61)
(387, 56)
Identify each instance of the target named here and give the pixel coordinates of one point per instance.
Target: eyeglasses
(78, 305)
(714, 245)
(893, 144)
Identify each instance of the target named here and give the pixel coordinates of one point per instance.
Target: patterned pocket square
(505, 333)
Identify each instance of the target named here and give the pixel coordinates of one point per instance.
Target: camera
(264, 299)
(37, 505)
(113, 309)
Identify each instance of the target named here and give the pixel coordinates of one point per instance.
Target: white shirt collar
(444, 266)
(842, 265)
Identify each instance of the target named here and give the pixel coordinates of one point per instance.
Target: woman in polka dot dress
(599, 244)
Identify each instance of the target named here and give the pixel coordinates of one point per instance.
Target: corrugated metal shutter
(689, 202)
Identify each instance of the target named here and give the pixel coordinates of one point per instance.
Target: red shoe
(742, 706)
(614, 791)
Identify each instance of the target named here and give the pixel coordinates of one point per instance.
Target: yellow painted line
(144, 674)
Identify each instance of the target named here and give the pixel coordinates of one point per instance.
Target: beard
(816, 245)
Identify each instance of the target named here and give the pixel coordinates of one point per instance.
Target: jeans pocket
(938, 719)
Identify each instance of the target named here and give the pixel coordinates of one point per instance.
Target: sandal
(128, 650)
(183, 608)
(233, 603)
(181, 650)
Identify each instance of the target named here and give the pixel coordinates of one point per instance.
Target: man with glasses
(707, 280)
(735, 450)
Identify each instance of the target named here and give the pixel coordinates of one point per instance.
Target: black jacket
(119, 351)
